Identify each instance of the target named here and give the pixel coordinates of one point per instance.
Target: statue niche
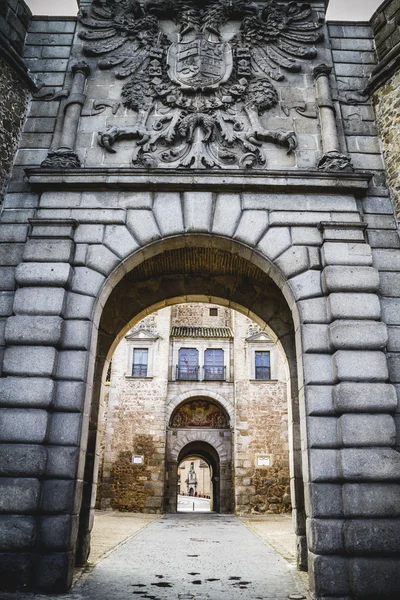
(199, 413)
(198, 88)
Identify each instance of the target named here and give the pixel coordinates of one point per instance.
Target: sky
(339, 10)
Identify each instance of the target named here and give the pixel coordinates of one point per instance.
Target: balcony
(214, 373)
(184, 373)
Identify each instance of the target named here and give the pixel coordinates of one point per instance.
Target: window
(263, 365)
(140, 362)
(213, 312)
(214, 369)
(188, 367)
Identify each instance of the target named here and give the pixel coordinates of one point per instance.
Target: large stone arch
(317, 293)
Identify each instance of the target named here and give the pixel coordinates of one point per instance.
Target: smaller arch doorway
(205, 496)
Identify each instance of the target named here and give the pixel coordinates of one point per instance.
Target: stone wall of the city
(14, 20)
(135, 425)
(261, 429)
(386, 97)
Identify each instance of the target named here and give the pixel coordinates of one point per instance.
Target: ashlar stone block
(319, 400)
(322, 432)
(87, 282)
(23, 426)
(329, 576)
(323, 500)
(38, 250)
(275, 242)
(19, 496)
(118, 239)
(314, 310)
(315, 338)
(39, 301)
(318, 369)
(306, 285)
(325, 536)
(69, 396)
(22, 460)
(369, 464)
(72, 365)
(197, 209)
(354, 306)
(76, 335)
(33, 330)
(227, 213)
(367, 430)
(364, 397)
(376, 578)
(58, 532)
(252, 226)
(30, 361)
(371, 499)
(167, 210)
(351, 365)
(17, 532)
(31, 392)
(350, 279)
(337, 253)
(100, 259)
(43, 274)
(294, 261)
(65, 429)
(372, 536)
(367, 335)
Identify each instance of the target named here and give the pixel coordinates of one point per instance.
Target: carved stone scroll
(333, 159)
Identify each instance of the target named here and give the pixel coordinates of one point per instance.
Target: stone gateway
(224, 152)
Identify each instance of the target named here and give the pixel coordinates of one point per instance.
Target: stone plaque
(137, 460)
(264, 460)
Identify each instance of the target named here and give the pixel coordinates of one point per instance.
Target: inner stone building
(235, 155)
(185, 377)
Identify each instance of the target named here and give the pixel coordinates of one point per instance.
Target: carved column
(332, 159)
(65, 156)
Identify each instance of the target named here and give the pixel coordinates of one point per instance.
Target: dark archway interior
(210, 455)
(188, 273)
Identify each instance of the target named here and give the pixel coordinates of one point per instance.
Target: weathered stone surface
(17, 532)
(367, 430)
(26, 392)
(330, 575)
(370, 464)
(374, 577)
(30, 361)
(65, 429)
(371, 499)
(275, 242)
(350, 279)
(23, 426)
(69, 396)
(19, 495)
(322, 432)
(31, 330)
(39, 301)
(57, 532)
(346, 254)
(351, 365)
(37, 250)
(319, 400)
(323, 500)
(364, 335)
(58, 496)
(22, 460)
(325, 536)
(354, 306)
(365, 397)
(43, 274)
(72, 365)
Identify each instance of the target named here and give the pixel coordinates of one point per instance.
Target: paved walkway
(200, 557)
(191, 504)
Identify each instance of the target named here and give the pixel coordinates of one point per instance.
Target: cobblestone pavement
(188, 557)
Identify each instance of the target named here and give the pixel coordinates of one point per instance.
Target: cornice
(101, 179)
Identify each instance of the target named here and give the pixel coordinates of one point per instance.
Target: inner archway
(196, 272)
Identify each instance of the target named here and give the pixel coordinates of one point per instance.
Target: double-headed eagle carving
(199, 75)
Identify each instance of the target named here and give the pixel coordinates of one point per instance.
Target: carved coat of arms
(200, 75)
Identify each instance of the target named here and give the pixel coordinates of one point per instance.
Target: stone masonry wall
(386, 87)
(135, 425)
(14, 20)
(261, 428)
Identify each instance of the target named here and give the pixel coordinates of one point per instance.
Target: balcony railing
(139, 371)
(214, 373)
(187, 373)
(263, 373)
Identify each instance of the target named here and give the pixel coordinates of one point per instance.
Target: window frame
(142, 350)
(266, 353)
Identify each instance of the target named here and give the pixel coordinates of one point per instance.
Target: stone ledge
(171, 180)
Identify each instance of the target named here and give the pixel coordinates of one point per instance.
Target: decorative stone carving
(199, 413)
(64, 157)
(333, 159)
(199, 88)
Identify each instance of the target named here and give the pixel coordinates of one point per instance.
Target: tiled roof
(202, 332)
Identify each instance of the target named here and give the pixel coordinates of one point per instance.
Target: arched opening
(193, 270)
(195, 493)
(207, 453)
